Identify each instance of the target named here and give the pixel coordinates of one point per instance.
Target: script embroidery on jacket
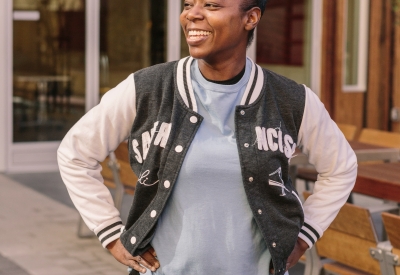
(143, 178)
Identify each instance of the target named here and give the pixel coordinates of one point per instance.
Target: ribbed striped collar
(185, 88)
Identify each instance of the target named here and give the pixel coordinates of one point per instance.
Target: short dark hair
(248, 5)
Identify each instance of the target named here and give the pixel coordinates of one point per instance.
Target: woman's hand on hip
(147, 260)
(298, 251)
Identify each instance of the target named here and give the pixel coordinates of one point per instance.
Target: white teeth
(198, 33)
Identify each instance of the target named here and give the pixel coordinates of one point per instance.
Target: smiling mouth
(198, 34)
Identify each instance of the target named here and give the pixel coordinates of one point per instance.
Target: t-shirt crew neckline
(221, 88)
(230, 81)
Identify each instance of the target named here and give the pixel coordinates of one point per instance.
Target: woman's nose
(195, 13)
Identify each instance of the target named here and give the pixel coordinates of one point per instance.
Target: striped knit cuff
(109, 231)
(310, 233)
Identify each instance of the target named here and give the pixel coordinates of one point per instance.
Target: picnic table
(379, 180)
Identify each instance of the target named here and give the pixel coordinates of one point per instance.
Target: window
(280, 35)
(356, 46)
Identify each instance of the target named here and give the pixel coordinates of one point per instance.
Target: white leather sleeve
(86, 144)
(336, 163)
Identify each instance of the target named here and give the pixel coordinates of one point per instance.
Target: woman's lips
(197, 36)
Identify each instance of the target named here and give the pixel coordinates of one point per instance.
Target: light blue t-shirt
(207, 226)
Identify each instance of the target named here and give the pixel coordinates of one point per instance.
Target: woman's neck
(221, 71)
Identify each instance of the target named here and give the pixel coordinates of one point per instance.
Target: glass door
(48, 68)
(63, 56)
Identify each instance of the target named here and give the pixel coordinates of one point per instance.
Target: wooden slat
(327, 58)
(357, 145)
(306, 194)
(379, 85)
(356, 221)
(109, 184)
(348, 250)
(397, 252)
(348, 130)
(127, 177)
(122, 152)
(380, 138)
(342, 269)
(352, 220)
(392, 227)
(396, 72)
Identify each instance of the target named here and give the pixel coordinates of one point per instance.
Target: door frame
(42, 156)
(5, 79)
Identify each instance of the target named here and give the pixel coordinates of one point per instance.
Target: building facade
(60, 56)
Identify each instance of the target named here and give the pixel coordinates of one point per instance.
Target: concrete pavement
(38, 237)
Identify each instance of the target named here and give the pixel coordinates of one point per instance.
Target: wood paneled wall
(379, 67)
(372, 108)
(396, 73)
(343, 107)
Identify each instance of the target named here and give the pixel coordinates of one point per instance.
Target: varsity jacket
(155, 109)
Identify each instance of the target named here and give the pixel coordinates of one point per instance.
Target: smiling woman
(213, 135)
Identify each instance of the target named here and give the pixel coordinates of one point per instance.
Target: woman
(210, 138)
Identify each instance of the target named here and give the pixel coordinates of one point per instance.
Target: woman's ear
(253, 16)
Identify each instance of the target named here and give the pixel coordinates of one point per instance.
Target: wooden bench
(117, 175)
(381, 138)
(392, 258)
(346, 244)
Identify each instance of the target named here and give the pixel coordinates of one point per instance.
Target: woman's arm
(336, 163)
(89, 142)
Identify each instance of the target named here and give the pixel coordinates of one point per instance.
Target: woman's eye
(211, 5)
(186, 5)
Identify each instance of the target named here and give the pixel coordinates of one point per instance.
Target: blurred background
(59, 57)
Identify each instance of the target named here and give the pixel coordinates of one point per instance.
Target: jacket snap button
(242, 112)
(251, 179)
(246, 145)
(273, 244)
(193, 119)
(178, 149)
(259, 211)
(167, 184)
(133, 240)
(153, 213)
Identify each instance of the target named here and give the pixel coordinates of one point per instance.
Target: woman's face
(215, 30)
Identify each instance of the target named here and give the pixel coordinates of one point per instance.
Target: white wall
(5, 70)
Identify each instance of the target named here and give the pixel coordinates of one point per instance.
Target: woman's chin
(196, 53)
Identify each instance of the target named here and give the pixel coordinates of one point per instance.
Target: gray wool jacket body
(267, 125)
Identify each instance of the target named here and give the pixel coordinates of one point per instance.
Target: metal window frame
(362, 65)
